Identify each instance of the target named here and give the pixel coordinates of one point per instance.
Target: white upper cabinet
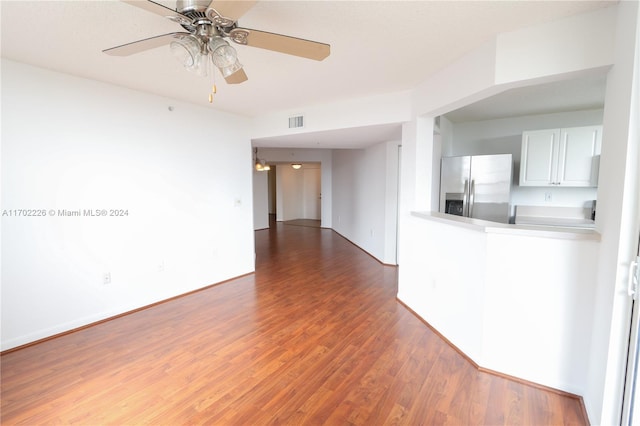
(579, 156)
(561, 157)
(539, 160)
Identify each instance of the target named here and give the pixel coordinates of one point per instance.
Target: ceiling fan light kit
(260, 165)
(208, 24)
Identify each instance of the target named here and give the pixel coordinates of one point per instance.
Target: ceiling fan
(208, 25)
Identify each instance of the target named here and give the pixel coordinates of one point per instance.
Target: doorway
(295, 193)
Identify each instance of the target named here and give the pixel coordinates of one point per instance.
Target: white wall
(365, 198)
(70, 143)
(474, 74)
(291, 193)
(618, 212)
(504, 136)
(365, 111)
(580, 42)
(535, 322)
(260, 200)
(392, 187)
(442, 275)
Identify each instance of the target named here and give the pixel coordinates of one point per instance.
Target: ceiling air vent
(296, 122)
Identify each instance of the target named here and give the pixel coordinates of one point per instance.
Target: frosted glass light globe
(185, 50)
(222, 54)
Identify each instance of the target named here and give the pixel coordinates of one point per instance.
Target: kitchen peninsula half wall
(483, 286)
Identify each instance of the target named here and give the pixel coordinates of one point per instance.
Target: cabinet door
(538, 163)
(578, 156)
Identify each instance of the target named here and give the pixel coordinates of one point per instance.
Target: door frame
(630, 413)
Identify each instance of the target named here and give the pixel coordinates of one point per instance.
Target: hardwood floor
(316, 336)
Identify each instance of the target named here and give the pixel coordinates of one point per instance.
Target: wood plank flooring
(315, 337)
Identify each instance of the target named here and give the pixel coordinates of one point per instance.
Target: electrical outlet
(547, 197)
(106, 278)
(161, 266)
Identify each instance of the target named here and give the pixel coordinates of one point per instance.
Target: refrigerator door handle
(472, 197)
(634, 277)
(465, 199)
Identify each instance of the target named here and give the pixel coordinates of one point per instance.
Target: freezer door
(490, 187)
(454, 185)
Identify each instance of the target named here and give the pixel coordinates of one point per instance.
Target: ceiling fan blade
(281, 43)
(142, 45)
(158, 9)
(237, 77)
(230, 9)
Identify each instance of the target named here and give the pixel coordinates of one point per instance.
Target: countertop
(569, 217)
(555, 221)
(559, 232)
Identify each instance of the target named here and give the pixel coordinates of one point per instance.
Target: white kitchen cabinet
(538, 163)
(561, 157)
(579, 156)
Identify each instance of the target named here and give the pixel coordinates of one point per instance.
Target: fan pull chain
(213, 92)
(213, 81)
(214, 89)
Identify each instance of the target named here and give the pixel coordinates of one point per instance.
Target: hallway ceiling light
(262, 166)
(296, 166)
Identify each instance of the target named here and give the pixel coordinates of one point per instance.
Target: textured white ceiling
(376, 46)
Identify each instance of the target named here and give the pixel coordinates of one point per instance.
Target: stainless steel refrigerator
(477, 186)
